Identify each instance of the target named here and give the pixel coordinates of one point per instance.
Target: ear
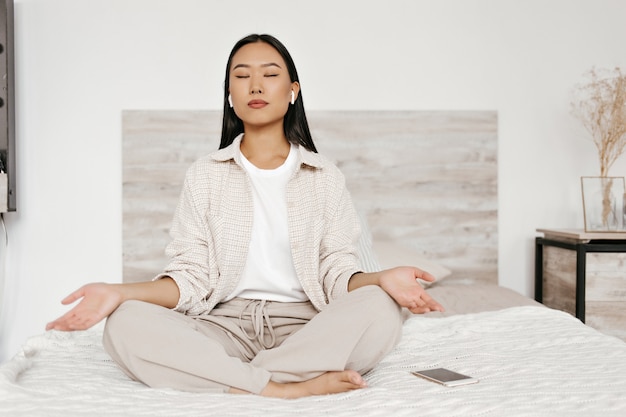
(295, 87)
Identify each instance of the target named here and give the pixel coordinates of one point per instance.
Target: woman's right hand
(98, 301)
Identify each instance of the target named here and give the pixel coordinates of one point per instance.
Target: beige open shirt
(212, 227)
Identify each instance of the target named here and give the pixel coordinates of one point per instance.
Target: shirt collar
(231, 152)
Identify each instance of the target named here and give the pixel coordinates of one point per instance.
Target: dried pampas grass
(600, 104)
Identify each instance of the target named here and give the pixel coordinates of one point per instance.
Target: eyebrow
(269, 64)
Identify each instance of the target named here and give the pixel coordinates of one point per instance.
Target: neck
(266, 150)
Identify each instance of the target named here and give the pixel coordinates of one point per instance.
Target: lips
(257, 104)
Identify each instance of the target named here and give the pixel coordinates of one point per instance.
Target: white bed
(530, 360)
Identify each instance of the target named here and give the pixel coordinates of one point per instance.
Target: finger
(420, 303)
(409, 301)
(420, 310)
(423, 275)
(52, 325)
(86, 321)
(64, 322)
(77, 326)
(57, 325)
(79, 293)
(424, 303)
(430, 300)
(415, 305)
(434, 305)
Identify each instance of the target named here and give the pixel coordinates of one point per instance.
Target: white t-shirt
(269, 273)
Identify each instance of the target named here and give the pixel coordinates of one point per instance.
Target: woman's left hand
(401, 284)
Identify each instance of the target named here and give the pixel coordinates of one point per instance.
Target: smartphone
(445, 377)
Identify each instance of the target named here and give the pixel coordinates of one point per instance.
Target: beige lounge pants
(245, 343)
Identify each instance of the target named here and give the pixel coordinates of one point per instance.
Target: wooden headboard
(425, 179)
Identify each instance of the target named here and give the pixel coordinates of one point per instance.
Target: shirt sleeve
(338, 253)
(189, 249)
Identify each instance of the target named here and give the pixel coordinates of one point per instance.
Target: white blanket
(530, 361)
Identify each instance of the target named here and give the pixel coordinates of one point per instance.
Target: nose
(256, 85)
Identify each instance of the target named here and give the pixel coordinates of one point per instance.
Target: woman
(263, 265)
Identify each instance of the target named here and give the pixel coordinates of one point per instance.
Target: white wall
(80, 62)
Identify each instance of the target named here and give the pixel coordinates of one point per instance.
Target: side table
(583, 274)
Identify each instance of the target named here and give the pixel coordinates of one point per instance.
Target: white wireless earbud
(293, 97)
(230, 100)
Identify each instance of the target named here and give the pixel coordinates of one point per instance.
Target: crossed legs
(314, 353)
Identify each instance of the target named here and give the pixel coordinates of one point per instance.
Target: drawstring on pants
(260, 319)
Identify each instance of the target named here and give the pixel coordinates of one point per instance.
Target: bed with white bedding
(425, 184)
(530, 360)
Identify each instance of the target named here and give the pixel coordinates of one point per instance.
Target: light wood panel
(559, 279)
(605, 293)
(427, 180)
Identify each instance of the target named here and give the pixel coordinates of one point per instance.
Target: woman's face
(260, 86)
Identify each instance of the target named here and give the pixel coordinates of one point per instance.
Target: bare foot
(327, 383)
